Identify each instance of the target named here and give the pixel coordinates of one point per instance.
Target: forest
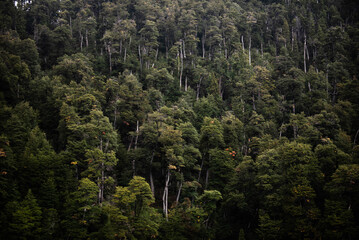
(179, 119)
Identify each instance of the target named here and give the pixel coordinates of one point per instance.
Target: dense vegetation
(179, 119)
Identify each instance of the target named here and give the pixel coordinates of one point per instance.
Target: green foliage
(131, 215)
(26, 217)
(242, 116)
(76, 67)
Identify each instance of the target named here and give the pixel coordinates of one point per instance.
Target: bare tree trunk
(185, 84)
(220, 87)
(184, 49)
(120, 47)
(71, 27)
(225, 48)
(292, 39)
(181, 71)
(156, 55)
(249, 49)
(198, 88)
(151, 177)
(81, 40)
(305, 45)
(165, 194)
(102, 182)
(356, 135)
(166, 40)
(115, 118)
(179, 189)
(253, 103)
(109, 56)
(86, 38)
(203, 43)
(242, 43)
(130, 145)
(137, 133)
(139, 55)
(125, 55)
(136, 139)
(307, 52)
(99, 192)
(200, 171)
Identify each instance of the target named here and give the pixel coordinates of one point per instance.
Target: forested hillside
(179, 119)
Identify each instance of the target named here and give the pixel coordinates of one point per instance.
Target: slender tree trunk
(181, 70)
(120, 47)
(136, 140)
(198, 88)
(151, 177)
(130, 145)
(249, 50)
(140, 56)
(253, 102)
(108, 46)
(125, 55)
(304, 61)
(327, 83)
(355, 138)
(307, 52)
(203, 43)
(102, 182)
(115, 117)
(86, 38)
(156, 55)
(179, 189)
(99, 192)
(292, 39)
(71, 27)
(185, 84)
(242, 43)
(81, 40)
(137, 133)
(184, 49)
(220, 90)
(200, 171)
(166, 40)
(165, 194)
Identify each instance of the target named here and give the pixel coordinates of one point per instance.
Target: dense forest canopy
(179, 119)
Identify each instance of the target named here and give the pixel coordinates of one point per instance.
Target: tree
(81, 209)
(131, 215)
(76, 67)
(25, 220)
(211, 137)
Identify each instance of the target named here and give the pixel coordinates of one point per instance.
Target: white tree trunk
(305, 45)
(165, 194)
(249, 50)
